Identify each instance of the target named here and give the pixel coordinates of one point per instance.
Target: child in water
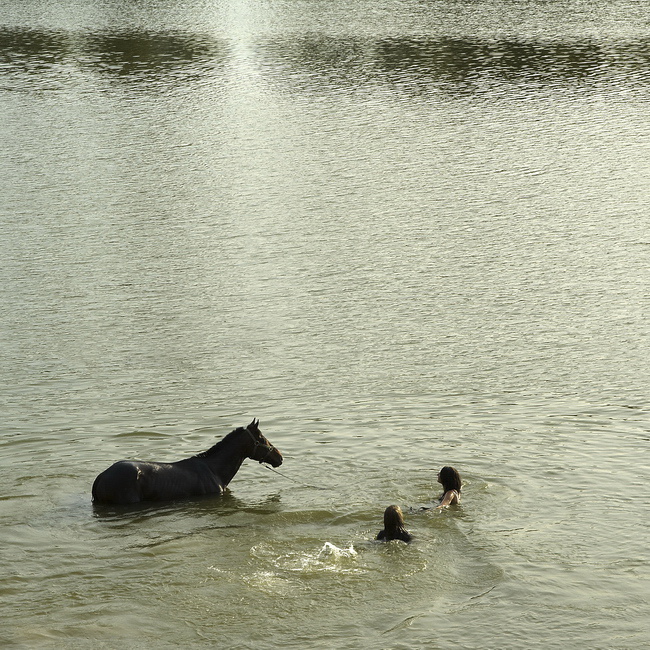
(449, 478)
(394, 526)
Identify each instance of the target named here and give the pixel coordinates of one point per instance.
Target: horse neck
(226, 457)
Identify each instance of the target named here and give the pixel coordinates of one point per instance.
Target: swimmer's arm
(450, 498)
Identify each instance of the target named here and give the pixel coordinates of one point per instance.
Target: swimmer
(449, 478)
(394, 526)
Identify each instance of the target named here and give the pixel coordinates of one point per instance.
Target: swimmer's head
(449, 478)
(393, 518)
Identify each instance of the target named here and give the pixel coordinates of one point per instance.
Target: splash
(328, 558)
(330, 550)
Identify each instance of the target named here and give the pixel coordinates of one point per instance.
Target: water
(401, 233)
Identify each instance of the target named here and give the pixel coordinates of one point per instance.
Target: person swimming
(394, 526)
(449, 478)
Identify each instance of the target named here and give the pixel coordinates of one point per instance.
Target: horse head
(263, 451)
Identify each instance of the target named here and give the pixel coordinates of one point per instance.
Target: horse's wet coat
(132, 481)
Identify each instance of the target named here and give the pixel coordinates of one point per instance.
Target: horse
(208, 473)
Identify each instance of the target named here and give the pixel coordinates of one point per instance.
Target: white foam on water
(330, 550)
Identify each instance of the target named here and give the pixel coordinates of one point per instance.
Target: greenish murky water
(403, 234)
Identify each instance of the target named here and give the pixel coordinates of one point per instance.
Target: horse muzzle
(273, 458)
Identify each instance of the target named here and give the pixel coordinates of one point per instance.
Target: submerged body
(133, 481)
(394, 527)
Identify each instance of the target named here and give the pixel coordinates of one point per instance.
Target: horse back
(128, 482)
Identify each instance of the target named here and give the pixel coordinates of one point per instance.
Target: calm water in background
(401, 233)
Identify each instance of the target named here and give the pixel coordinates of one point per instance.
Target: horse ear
(254, 425)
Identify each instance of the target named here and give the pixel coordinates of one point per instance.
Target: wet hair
(394, 525)
(393, 518)
(450, 479)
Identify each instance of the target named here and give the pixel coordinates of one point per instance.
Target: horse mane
(215, 448)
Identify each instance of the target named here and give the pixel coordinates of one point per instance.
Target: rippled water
(401, 233)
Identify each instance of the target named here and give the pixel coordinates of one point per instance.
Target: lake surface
(403, 234)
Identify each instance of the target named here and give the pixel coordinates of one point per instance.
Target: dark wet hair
(394, 525)
(393, 518)
(450, 479)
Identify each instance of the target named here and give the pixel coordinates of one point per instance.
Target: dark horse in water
(132, 481)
